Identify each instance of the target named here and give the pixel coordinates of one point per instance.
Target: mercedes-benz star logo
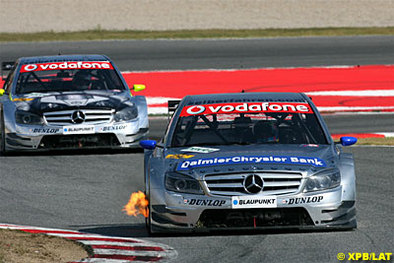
(253, 184)
(78, 117)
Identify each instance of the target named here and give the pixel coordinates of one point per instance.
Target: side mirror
(2, 91)
(148, 144)
(347, 141)
(138, 87)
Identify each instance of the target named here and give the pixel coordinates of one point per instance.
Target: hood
(72, 100)
(198, 161)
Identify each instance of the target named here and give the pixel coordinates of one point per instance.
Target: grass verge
(99, 34)
(376, 141)
(18, 246)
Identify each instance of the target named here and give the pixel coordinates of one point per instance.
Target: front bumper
(45, 137)
(176, 212)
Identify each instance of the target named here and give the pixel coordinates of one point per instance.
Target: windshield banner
(246, 107)
(67, 65)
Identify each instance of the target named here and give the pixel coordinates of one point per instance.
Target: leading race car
(248, 161)
(73, 101)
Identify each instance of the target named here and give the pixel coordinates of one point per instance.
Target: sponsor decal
(310, 145)
(197, 149)
(204, 202)
(78, 129)
(113, 128)
(67, 65)
(253, 202)
(45, 130)
(246, 107)
(190, 164)
(303, 200)
(179, 156)
(23, 99)
(76, 102)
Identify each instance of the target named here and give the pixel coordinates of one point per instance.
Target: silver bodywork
(76, 124)
(282, 202)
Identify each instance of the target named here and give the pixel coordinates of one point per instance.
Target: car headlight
(126, 114)
(325, 179)
(182, 183)
(25, 117)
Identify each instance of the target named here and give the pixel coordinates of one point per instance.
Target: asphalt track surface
(87, 190)
(136, 55)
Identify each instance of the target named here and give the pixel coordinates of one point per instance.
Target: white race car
(69, 101)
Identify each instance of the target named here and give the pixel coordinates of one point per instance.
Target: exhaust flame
(137, 205)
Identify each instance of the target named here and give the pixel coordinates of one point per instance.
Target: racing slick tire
(152, 230)
(148, 219)
(2, 136)
(148, 224)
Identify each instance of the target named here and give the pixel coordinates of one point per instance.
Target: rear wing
(6, 66)
(172, 106)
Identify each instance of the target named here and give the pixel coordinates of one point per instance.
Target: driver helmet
(266, 132)
(81, 80)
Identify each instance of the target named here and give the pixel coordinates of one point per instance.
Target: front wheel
(148, 219)
(2, 137)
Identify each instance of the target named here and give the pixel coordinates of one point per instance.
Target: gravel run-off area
(76, 15)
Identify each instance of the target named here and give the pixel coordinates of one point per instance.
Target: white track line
(237, 69)
(114, 243)
(354, 93)
(104, 251)
(104, 260)
(157, 110)
(340, 108)
(386, 134)
(89, 236)
(159, 100)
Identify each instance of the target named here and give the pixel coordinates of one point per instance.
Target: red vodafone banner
(246, 107)
(67, 65)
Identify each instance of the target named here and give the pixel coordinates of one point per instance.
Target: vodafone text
(67, 65)
(253, 107)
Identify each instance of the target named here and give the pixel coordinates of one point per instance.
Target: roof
(245, 97)
(61, 58)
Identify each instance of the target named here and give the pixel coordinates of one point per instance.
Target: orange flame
(137, 205)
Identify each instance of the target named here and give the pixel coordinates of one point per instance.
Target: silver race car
(248, 161)
(74, 101)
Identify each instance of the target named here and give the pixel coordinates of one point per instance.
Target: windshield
(242, 127)
(67, 76)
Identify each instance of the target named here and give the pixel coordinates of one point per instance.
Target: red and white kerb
(251, 107)
(67, 65)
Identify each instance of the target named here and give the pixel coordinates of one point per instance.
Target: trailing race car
(73, 101)
(248, 161)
